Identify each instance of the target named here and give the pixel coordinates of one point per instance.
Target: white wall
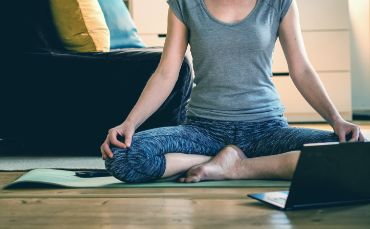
(360, 48)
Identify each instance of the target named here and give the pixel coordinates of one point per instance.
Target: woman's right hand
(126, 130)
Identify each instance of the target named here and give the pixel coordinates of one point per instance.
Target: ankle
(243, 169)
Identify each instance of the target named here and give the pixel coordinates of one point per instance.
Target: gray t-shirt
(232, 62)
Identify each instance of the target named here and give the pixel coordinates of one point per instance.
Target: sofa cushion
(123, 32)
(81, 25)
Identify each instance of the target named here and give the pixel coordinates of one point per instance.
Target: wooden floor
(161, 208)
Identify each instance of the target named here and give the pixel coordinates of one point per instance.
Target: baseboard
(361, 115)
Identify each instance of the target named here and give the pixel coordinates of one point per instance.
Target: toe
(192, 179)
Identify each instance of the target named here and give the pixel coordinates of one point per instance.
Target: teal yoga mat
(66, 179)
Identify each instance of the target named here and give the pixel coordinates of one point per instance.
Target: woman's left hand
(343, 128)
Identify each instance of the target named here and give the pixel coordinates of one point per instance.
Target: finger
(128, 140)
(342, 136)
(355, 135)
(113, 140)
(362, 138)
(103, 156)
(102, 153)
(102, 150)
(107, 151)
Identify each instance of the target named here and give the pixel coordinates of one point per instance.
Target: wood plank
(7, 177)
(199, 193)
(170, 213)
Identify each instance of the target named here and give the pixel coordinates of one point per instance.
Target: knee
(235, 150)
(132, 166)
(120, 166)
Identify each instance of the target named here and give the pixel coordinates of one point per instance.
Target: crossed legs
(274, 155)
(168, 151)
(231, 163)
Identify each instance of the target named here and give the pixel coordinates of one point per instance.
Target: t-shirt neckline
(227, 23)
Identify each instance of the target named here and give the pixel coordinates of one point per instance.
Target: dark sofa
(58, 103)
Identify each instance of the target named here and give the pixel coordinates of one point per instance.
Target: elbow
(302, 72)
(166, 75)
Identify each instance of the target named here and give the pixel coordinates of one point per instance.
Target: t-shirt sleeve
(177, 9)
(284, 7)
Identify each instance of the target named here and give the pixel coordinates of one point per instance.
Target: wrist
(335, 119)
(132, 122)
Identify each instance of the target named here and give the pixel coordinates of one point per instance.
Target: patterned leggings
(145, 160)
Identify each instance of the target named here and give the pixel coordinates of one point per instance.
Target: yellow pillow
(81, 25)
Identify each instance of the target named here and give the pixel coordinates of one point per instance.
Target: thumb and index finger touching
(342, 137)
(356, 135)
(112, 139)
(126, 134)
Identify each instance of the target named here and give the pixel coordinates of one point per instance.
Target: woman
(235, 128)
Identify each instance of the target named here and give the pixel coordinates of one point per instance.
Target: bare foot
(222, 167)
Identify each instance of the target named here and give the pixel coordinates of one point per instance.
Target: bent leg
(231, 164)
(146, 160)
(281, 139)
(178, 163)
(279, 166)
(274, 154)
(276, 150)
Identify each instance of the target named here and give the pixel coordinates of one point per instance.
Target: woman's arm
(307, 80)
(158, 87)
(161, 83)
